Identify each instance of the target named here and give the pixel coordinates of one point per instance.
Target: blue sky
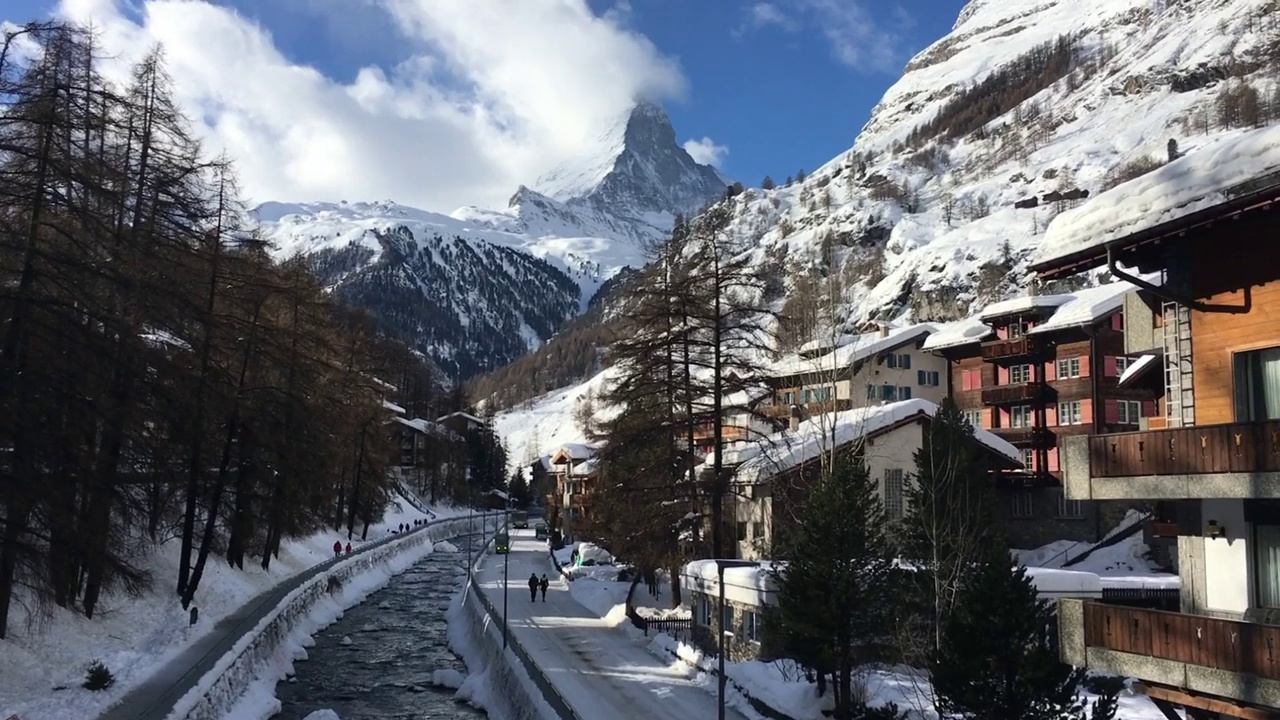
(783, 85)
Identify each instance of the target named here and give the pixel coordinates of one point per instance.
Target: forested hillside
(160, 376)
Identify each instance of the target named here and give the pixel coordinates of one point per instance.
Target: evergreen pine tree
(998, 659)
(834, 591)
(767, 183)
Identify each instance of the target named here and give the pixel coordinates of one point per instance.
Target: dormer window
(1017, 329)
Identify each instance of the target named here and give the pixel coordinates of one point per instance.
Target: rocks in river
(346, 640)
(325, 714)
(384, 605)
(369, 627)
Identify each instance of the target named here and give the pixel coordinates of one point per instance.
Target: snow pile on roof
(1135, 368)
(1194, 182)
(855, 349)
(388, 405)
(1126, 564)
(1085, 307)
(786, 450)
(1017, 305)
(958, 332)
(1054, 582)
(427, 427)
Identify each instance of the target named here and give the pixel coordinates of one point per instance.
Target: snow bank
(1126, 564)
(242, 680)
(447, 677)
(325, 714)
(444, 546)
(1194, 182)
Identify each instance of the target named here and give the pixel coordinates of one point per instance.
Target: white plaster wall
(754, 511)
(874, 373)
(1226, 559)
(894, 450)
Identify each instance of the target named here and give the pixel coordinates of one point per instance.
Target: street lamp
(506, 584)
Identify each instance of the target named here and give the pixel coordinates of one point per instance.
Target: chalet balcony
(1025, 346)
(782, 410)
(1235, 460)
(1020, 394)
(1025, 436)
(1222, 664)
(730, 433)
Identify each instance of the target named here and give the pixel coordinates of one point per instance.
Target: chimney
(884, 330)
(794, 424)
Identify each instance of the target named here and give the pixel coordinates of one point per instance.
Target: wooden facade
(1197, 450)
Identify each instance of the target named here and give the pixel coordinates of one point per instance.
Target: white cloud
(495, 92)
(706, 151)
(763, 14)
(858, 38)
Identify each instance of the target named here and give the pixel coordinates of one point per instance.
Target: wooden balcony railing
(1013, 348)
(1032, 392)
(1229, 645)
(782, 410)
(1199, 450)
(1034, 436)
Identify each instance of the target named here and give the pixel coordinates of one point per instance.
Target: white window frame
(893, 494)
(1068, 368)
(1070, 412)
(1128, 412)
(974, 417)
(751, 626)
(1122, 364)
(1021, 416)
(1028, 458)
(1015, 371)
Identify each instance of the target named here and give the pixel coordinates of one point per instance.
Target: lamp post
(720, 624)
(506, 584)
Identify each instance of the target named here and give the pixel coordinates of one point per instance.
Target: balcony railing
(1034, 436)
(1199, 450)
(782, 410)
(1032, 392)
(1229, 645)
(1011, 348)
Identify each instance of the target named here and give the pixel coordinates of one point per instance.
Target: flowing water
(397, 640)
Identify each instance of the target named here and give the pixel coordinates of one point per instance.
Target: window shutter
(977, 379)
(1109, 366)
(1051, 415)
(1111, 412)
(1117, 321)
(1084, 366)
(964, 380)
(1051, 370)
(906, 362)
(936, 377)
(1086, 411)
(892, 361)
(920, 377)
(1053, 460)
(1002, 376)
(1148, 408)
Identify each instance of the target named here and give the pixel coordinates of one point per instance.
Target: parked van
(501, 543)
(540, 531)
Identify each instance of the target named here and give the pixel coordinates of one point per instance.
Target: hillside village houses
(575, 471)
(1207, 222)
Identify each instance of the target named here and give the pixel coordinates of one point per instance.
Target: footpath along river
(376, 662)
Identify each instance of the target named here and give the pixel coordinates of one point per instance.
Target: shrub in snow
(98, 677)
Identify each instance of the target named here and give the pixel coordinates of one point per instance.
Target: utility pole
(506, 584)
(723, 630)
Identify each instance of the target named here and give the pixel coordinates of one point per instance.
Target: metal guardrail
(549, 692)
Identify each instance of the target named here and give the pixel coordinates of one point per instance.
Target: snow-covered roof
(1014, 306)
(1085, 307)
(461, 414)
(387, 404)
(1197, 181)
(1136, 369)
(587, 467)
(783, 451)
(575, 452)
(857, 347)
(958, 332)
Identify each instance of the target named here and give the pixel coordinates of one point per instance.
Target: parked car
(501, 543)
(540, 531)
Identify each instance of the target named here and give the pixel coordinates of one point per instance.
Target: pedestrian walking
(348, 548)
(533, 587)
(337, 548)
(542, 585)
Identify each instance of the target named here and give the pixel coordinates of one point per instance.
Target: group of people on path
(402, 527)
(337, 548)
(535, 585)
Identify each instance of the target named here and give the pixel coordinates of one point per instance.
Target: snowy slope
(913, 220)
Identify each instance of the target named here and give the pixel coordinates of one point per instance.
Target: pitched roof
(1239, 171)
(854, 349)
(783, 451)
(958, 332)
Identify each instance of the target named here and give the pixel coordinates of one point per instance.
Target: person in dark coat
(348, 548)
(542, 585)
(337, 548)
(533, 587)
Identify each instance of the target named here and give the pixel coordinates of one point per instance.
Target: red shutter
(1004, 417)
(977, 378)
(1032, 371)
(1054, 465)
(1109, 366)
(1117, 321)
(1051, 371)
(966, 380)
(1111, 412)
(986, 419)
(1086, 411)
(1051, 415)
(1002, 332)
(1002, 376)
(1149, 408)
(1084, 366)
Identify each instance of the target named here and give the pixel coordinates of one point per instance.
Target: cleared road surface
(599, 670)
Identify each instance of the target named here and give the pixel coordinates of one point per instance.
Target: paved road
(155, 698)
(598, 669)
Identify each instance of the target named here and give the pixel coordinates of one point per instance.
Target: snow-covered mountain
(1024, 110)
(477, 288)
